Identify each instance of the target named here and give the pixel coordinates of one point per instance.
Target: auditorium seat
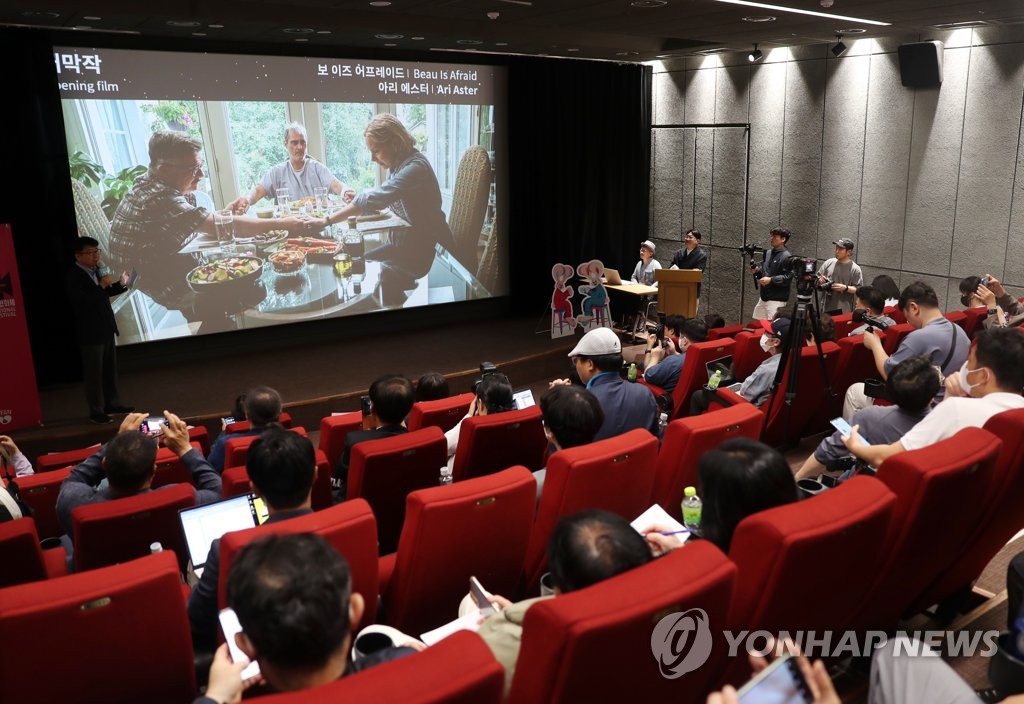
(616, 474)
(40, 491)
(1002, 519)
(479, 527)
(349, 527)
(969, 319)
(445, 413)
(801, 565)
(894, 335)
(786, 425)
(497, 441)
(855, 364)
(59, 460)
(727, 331)
(694, 372)
(458, 670)
(199, 434)
(386, 470)
(940, 494)
(117, 634)
(22, 557)
(747, 354)
(242, 426)
(123, 529)
(685, 442)
(235, 482)
(333, 430)
(595, 644)
(896, 314)
(170, 469)
(236, 450)
(843, 324)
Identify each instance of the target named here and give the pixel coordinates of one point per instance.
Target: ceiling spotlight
(839, 48)
(755, 55)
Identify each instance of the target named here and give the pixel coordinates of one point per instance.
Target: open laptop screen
(523, 399)
(204, 524)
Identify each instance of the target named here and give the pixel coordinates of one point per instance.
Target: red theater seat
(117, 634)
(121, 530)
(595, 644)
(727, 331)
(23, 559)
(894, 335)
(940, 493)
(235, 482)
(40, 491)
(685, 442)
(349, 527)
(199, 434)
(497, 441)
(458, 670)
(385, 471)
(59, 460)
(479, 527)
(242, 426)
(170, 469)
(333, 430)
(694, 372)
(747, 354)
(844, 324)
(616, 474)
(445, 413)
(236, 450)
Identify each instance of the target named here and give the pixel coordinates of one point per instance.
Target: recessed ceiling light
(302, 39)
(389, 36)
(572, 49)
(198, 34)
(783, 8)
(35, 13)
(82, 26)
(323, 31)
(390, 44)
(417, 39)
(182, 23)
(215, 26)
(380, 3)
(854, 30)
(298, 30)
(470, 42)
(92, 18)
(647, 4)
(758, 18)
(500, 43)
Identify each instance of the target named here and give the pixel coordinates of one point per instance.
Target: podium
(677, 290)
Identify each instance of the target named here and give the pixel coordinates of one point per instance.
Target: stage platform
(314, 379)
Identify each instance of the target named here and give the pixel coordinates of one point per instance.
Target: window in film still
(243, 191)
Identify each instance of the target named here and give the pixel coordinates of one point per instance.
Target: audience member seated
(294, 600)
(989, 382)
(391, 399)
(281, 466)
(493, 395)
(890, 291)
(664, 362)
(1001, 309)
(911, 386)
(262, 409)
(13, 458)
(714, 320)
(739, 478)
(870, 299)
(432, 386)
(572, 417)
(597, 359)
(584, 549)
(942, 341)
(128, 463)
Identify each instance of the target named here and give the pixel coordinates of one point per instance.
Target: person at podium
(691, 255)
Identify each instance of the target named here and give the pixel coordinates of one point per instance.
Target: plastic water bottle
(691, 508)
(662, 424)
(631, 375)
(715, 380)
(156, 547)
(446, 476)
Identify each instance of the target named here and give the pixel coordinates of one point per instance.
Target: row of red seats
(858, 556)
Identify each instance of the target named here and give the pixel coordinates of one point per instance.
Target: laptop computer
(611, 276)
(201, 525)
(523, 399)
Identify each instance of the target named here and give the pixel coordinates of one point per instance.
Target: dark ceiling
(619, 30)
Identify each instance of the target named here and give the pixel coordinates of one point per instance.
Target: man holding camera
(839, 278)
(771, 277)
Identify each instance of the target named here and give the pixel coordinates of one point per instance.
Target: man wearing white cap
(845, 276)
(598, 359)
(645, 268)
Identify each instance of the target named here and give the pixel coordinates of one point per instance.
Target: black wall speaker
(921, 64)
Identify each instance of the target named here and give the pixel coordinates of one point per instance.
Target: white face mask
(964, 384)
(765, 339)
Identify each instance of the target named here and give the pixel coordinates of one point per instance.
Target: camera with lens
(825, 285)
(486, 370)
(802, 270)
(752, 249)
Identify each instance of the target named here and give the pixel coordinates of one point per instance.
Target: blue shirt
(666, 372)
(626, 406)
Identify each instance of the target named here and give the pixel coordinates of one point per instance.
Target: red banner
(19, 397)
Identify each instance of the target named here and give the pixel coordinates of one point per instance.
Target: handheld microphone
(861, 316)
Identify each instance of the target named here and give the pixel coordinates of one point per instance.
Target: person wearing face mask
(664, 362)
(989, 382)
(933, 335)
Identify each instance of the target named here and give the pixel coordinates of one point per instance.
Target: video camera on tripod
(802, 270)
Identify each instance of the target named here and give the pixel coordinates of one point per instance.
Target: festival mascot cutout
(595, 312)
(562, 321)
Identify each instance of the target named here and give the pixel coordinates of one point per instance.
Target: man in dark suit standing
(96, 328)
(391, 399)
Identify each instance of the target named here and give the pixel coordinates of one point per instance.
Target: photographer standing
(772, 279)
(839, 278)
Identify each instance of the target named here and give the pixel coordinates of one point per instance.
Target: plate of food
(222, 274)
(314, 248)
(288, 261)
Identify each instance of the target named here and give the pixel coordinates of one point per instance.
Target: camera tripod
(791, 346)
